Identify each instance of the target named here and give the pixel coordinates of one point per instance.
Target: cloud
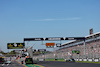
(75, 18)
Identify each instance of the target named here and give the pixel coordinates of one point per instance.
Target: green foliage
(53, 59)
(3, 52)
(12, 52)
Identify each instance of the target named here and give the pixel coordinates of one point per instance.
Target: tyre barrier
(88, 59)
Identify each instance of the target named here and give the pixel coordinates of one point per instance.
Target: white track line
(3, 64)
(7, 64)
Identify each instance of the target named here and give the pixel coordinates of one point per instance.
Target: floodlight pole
(84, 48)
(30, 51)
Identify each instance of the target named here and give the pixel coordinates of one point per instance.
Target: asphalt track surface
(13, 64)
(66, 64)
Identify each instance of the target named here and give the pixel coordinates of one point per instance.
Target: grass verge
(75, 61)
(55, 60)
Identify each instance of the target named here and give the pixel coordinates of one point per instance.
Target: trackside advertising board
(50, 44)
(58, 45)
(15, 45)
(29, 61)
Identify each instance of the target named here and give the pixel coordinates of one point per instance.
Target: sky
(21, 19)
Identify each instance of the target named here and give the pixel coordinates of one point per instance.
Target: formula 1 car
(70, 60)
(3, 61)
(1, 58)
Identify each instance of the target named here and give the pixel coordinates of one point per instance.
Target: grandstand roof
(86, 37)
(98, 33)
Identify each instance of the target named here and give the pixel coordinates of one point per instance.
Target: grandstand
(91, 49)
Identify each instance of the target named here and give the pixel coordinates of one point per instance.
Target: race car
(2, 58)
(28, 60)
(70, 59)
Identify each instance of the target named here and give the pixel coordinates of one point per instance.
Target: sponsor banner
(29, 61)
(58, 45)
(54, 38)
(75, 38)
(15, 45)
(76, 51)
(50, 44)
(33, 39)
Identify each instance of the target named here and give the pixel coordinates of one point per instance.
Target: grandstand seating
(92, 49)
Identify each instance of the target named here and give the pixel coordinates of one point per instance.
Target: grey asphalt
(54, 64)
(66, 64)
(13, 64)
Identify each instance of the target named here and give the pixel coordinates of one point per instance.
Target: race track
(13, 64)
(66, 64)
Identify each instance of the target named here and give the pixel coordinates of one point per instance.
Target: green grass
(55, 60)
(75, 61)
(50, 60)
